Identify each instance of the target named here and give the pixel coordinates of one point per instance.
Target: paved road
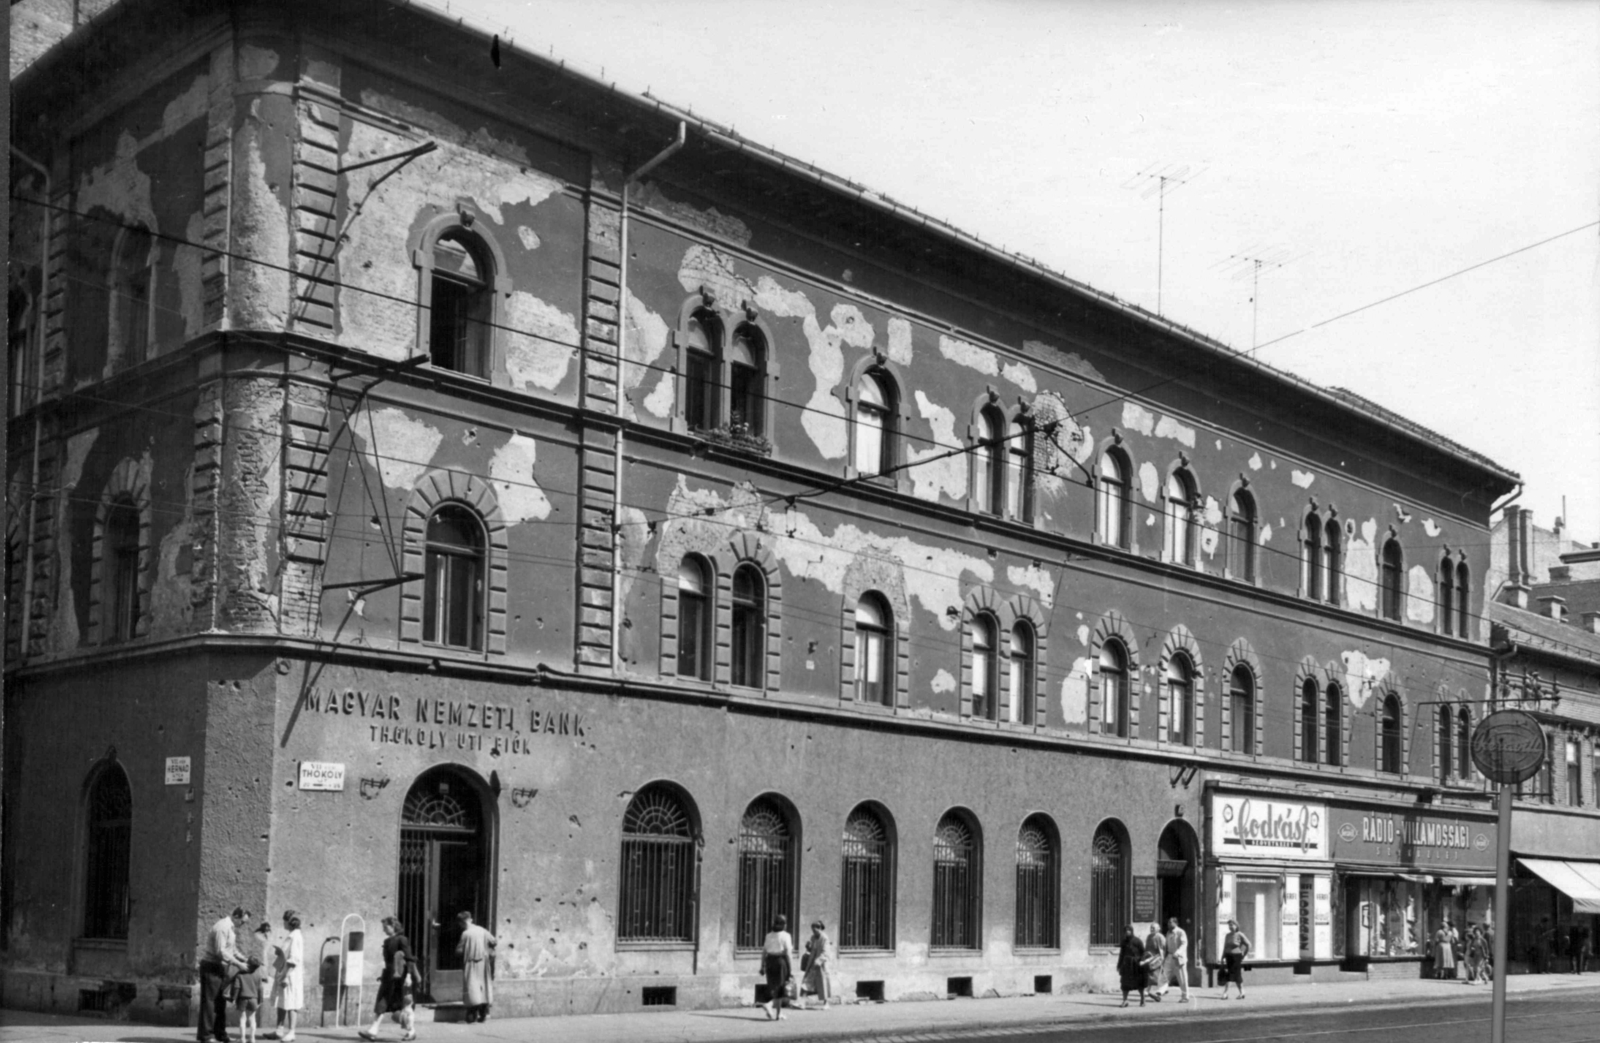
(1556, 1018)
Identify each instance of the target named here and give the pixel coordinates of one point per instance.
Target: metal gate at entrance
(444, 870)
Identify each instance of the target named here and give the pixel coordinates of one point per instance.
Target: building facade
(452, 483)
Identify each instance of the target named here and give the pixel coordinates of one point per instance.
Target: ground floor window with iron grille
(957, 884)
(1108, 887)
(658, 868)
(866, 915)
(105, 906)
(766, 871)
(1038, 887)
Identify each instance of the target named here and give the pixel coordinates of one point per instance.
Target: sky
(1359, 149)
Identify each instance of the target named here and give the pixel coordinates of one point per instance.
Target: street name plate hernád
(1508, 746)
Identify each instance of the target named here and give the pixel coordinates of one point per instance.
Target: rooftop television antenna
(1158, 180)
(1251, 261)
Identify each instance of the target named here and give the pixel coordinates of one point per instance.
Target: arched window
(1180, 700)
(747, 367)
(1038, 886)
(132, 288)
(1332, 561)
(1115, 503)
(1393, 579)
(107, 855)
(1242, 709)
(957, 883)
(453, 594)
(874, 651)
(768, 862)
(1463, 600)
(1333, 726)
(1311, 558)
(1445, 596)
(874, 429)
(658, 868)
(694, 619)
(462, 303)
(1242, 536)
(1114, 689)
(749, 627)
(702, 359)
(1446, 742)
(1464, 743)
(988, 461)
(1308, 721)
(120, 565)
(1389, 736)
(1022, 676)
(1181, 521)
(1019, 470)
(985, 666)
(866, 912)
(1108, 887)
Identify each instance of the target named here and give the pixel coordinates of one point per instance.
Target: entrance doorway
(445, 869)
(1177, 891)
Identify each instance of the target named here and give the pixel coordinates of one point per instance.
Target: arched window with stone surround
(1445, 743)
(1242, 536)
(1116, 505)
(768, 869)
(454, 595)
(1333, 726)
(985, 666)
(957, 883)
(132, 290)
(1019, 469)
(988, 461)
(1242, 710)
(748, 628)
(461, 305)
(1308, 721)
(1463, 600)
(1182, 526)
(747, 379)
(876, 405)
(1393, 577)
(1022, 672)
(108, 854)
(866, 892)
(1332, 561)
(695, 588)
(1389, 734)
(1038, 890)
(1445, 595)
(1180, 700)
(1115, 709)
(875, 674)
(1311, 558)
(702, 343)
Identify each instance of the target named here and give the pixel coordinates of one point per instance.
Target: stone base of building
(76, 995)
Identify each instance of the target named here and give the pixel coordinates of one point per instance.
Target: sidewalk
(877, 1021)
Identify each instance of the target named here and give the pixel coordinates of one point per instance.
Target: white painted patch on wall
(1070, 361)
(1034, 578)
(970, 355)
(511, 471)
(1431, 527)
(1020, 375)
(120, 187)
(191, 104)
(530, 238)
(899, 341)
(1149, 521)
(948, 475)
(542, 355)
(186, 257)
(1219, 445)
(1361, 569)
(943, 681)
(1137, 418)
(1208, 534)
(1401, 513)
(659, 402)
(1255, 461)
(1419, 595)
(1083, 634)
(1274, 465)
(1075, 694)
(1302, 478)
(1266, 534)
(395, 445)
(1150, 482)
(1167, 427)
(1362, 676)
(645, 337)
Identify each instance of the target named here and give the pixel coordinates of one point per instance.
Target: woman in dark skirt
(1130, 965)
(775, 950)
(395, 981)
(1235, 947)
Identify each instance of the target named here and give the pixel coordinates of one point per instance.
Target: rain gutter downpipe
(622, 344)
(37, 349)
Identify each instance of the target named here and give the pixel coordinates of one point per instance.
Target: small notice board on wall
(1144, 898)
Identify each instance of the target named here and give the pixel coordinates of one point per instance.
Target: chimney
(1591, 622)
(1515, 592)
(1554, 607)
(1525, 544)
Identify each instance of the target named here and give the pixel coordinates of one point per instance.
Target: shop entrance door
(1177, 890)
(443, 872)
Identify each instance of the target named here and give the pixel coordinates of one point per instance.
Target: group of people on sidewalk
(229, 977)
(782, 989)
(1476, 951)
(1150, 966)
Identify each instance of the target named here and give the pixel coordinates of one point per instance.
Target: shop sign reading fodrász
(1255, 827)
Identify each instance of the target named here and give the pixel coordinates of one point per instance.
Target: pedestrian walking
(1155, 961)
(1177, 960)
(814, 965)
(247, 997)
(775, 953)
(218, 962)
(1130, 965)
(1444, 951)
(1544, 943)
(289, 991)
(1235, 947)
(396, 982)
(1578, 948)
(476, 948)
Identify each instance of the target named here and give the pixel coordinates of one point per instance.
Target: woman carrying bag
(775, 950)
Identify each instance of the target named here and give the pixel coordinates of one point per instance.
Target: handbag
(805, 962)
(791, 990)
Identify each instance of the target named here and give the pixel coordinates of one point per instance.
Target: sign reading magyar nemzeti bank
(1256, 827)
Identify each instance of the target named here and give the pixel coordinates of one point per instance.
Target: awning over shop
(1466, 881)
(1579, 881)
(1389, 874)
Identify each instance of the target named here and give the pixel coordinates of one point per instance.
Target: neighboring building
(881, 577)
(1548, 552)
(1548, 662)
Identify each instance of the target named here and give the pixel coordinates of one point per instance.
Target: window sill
(1031, 951)
(667, 946)
(953, 950)
(870, 954)
(101, 944)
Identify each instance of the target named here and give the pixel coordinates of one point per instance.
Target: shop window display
(1259, 910)
(1387, 917)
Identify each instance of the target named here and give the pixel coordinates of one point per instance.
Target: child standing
(247, 996)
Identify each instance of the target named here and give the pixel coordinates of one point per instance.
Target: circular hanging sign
(1508, 746)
